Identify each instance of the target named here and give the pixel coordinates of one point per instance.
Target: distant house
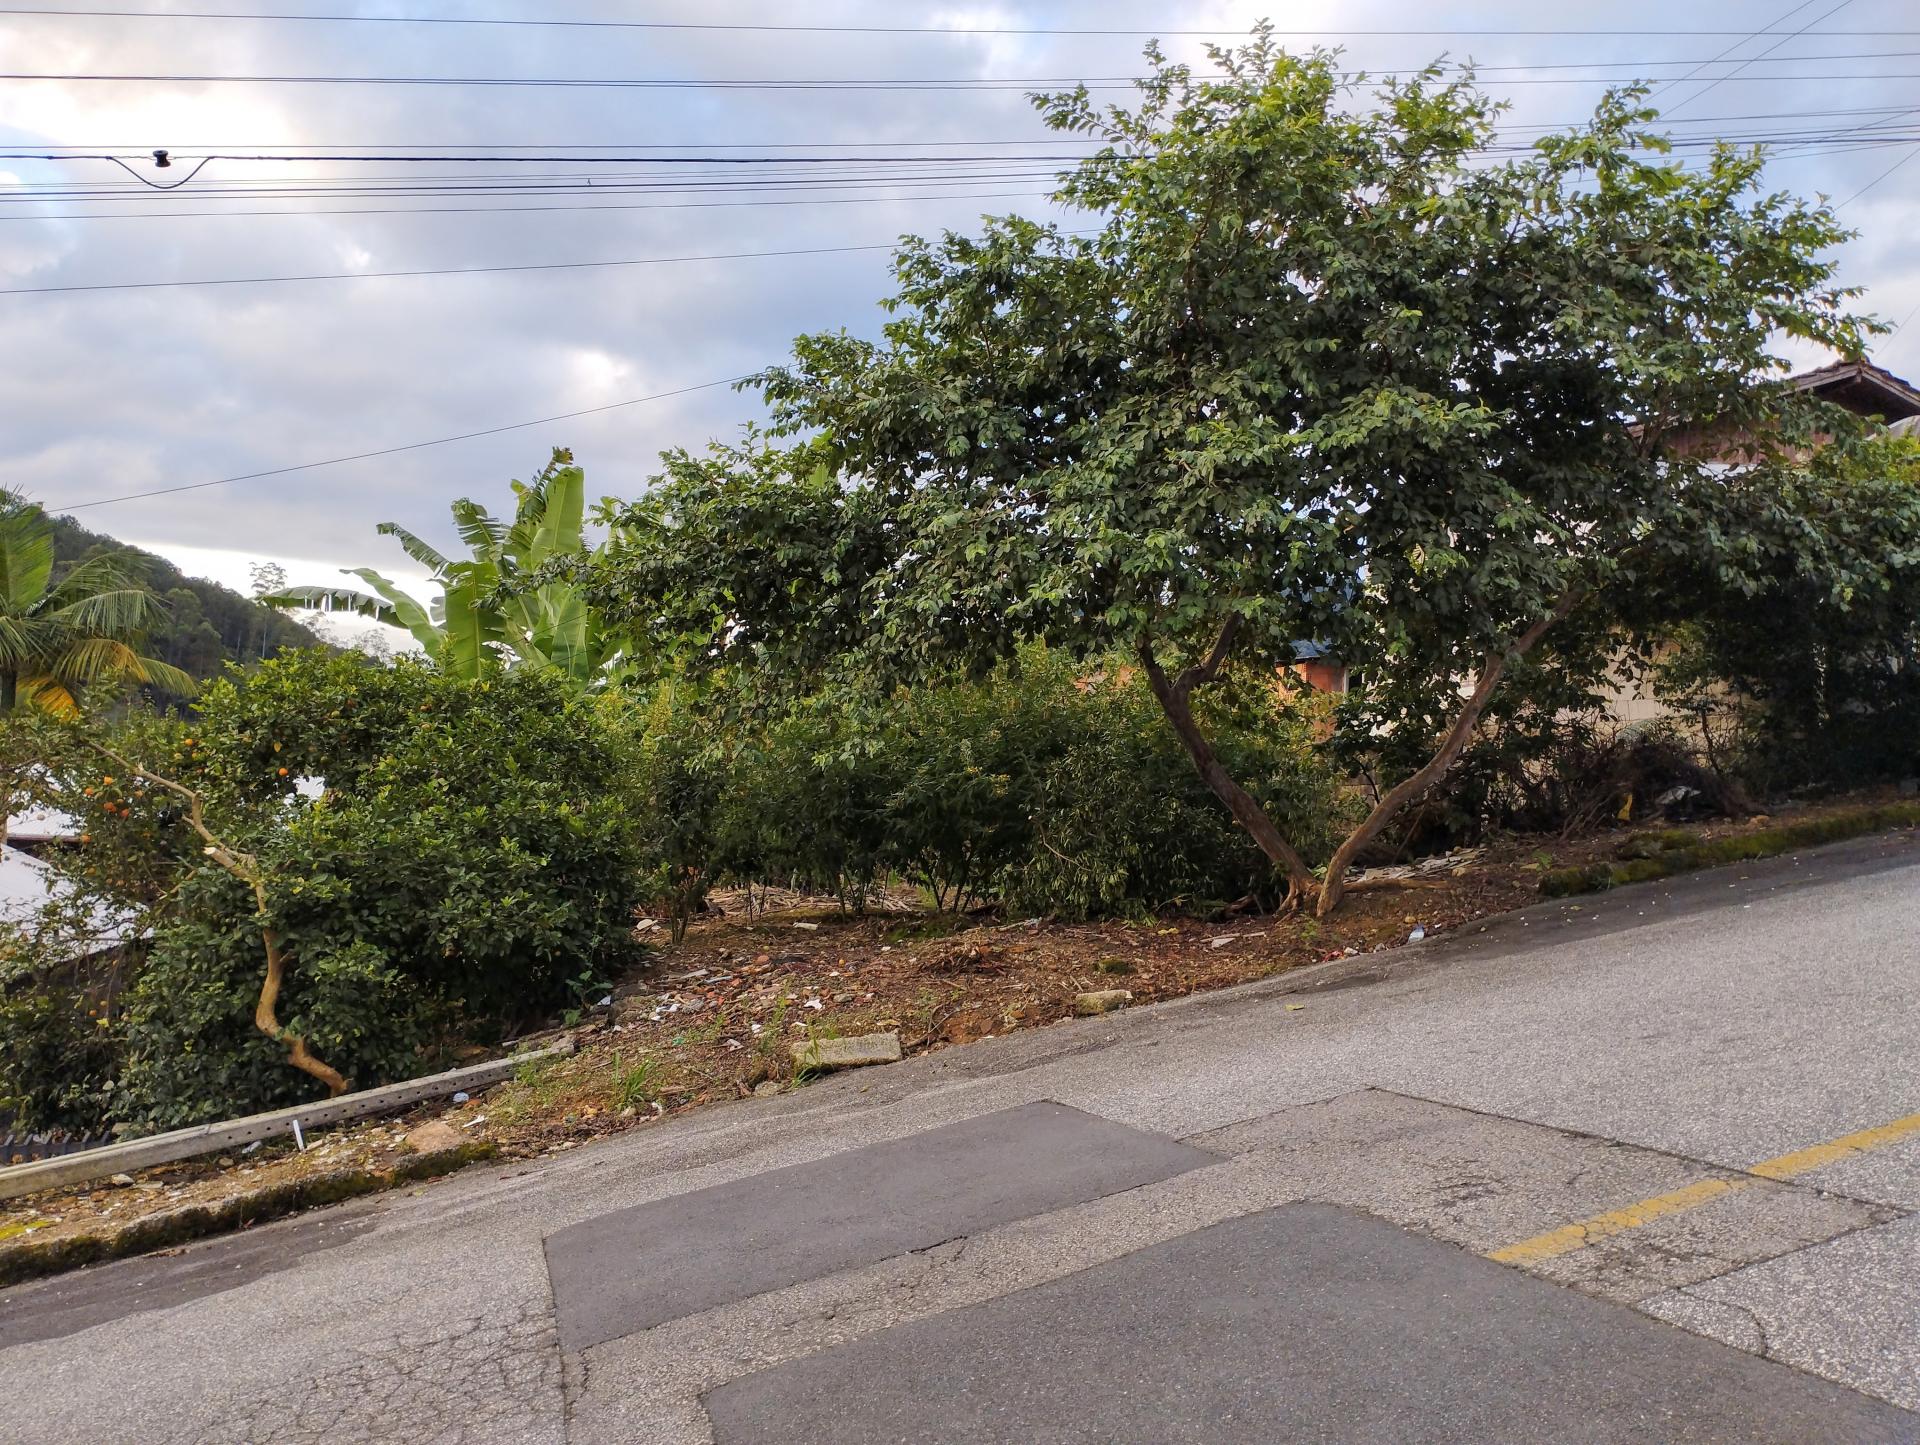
(1860, 387)
(1863, 389)
(1314, 665)
(35, 829)
(29, 882)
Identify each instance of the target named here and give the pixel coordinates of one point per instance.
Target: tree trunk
(268, 1023)
(1451, 746)
(246, 867)
(1174, 695)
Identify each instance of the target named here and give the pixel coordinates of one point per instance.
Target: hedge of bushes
(1049, 787)
(482, 849)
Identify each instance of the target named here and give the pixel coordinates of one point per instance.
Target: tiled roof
(1862, 387)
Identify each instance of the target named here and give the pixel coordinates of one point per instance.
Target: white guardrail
(177, 1144)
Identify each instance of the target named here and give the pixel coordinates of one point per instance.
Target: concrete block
(848, 1053)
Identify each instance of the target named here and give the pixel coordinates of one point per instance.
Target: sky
(110, 392)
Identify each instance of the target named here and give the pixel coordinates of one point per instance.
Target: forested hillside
(207, 624)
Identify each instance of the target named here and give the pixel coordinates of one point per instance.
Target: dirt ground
(715, 1017)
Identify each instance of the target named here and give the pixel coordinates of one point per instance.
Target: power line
(1743, 40)
(1879, 178)
(405, 447)
(298, 149)
(502, 187)
(650, 158)
(1756, 59)
(961, 83)
(511, 210)
(930, 30)
(876, 86)
(436, 271)
(140, 150)
(396, 155)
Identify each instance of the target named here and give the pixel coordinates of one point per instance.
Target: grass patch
(925, 930)
(1647, 856)
(635, 1085)
(1652, 845)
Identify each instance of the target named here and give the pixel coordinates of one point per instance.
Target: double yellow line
(1578, 1235)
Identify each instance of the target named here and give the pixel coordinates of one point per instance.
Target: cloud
(127, 391)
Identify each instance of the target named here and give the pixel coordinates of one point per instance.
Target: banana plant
(502, 605)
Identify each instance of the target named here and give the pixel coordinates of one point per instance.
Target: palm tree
(58, 638)
(505, 603)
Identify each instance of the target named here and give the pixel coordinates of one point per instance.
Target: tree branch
(1205, 672)
(246, 868)
(1173, 697)
(1450, 748)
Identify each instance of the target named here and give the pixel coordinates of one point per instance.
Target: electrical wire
(361, 157)
(570, 82)
(437, 271)
(929, 30)
(404, 447)
(1762, 56)
(1724, 54)
(962, 84)
(296, 149)
(514, 210)
(1879, 178)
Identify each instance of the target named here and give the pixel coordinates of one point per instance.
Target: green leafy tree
(511, 599)
(1798, 661)
(1321, 371)
(58, 638)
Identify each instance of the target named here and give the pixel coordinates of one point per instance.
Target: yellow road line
(1845, 1147)
(1579, 1235)
(1570, 1237)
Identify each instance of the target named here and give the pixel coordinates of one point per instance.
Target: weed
(925, 930)
(587, 988)
(635, 1085)
(768, 1044)
(710, 1031)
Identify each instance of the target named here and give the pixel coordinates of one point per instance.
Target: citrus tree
(1322, 368)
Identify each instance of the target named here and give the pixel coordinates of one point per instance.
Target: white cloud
(129, 391)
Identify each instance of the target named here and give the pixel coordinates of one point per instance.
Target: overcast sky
(109, 392)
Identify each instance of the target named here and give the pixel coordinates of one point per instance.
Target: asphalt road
(1637, 1168)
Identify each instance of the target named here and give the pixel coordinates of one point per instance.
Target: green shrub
(57, 1059)
(475, 849)
(1121, 823)
(806, 801)
(967, 763)
(680, 784)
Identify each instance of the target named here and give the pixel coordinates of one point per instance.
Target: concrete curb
(24, 1257)
(1680, 852)
(178, 1144)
